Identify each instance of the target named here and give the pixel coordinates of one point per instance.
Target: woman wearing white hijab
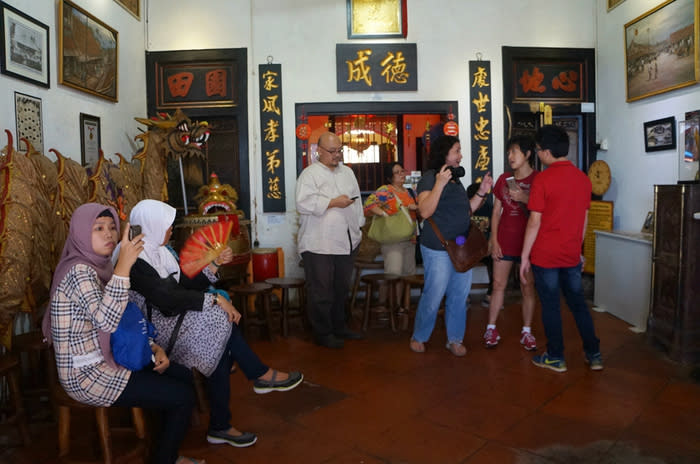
(208, 338)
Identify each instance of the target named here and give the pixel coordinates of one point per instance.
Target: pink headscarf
(78, 250)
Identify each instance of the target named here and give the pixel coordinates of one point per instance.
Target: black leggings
(172, 395)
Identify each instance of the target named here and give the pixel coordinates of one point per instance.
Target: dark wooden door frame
(235, 59)
(586, 56)
(379, 108)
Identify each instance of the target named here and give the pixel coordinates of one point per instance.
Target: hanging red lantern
(451, 128)
(303, 131)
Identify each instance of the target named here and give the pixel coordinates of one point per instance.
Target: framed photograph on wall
(661, 51)
(87, 52)
(660, 134)
(28, 121)
(90, 139)
(132, 6)
(613, 3)
(25, 46)
(377, 19)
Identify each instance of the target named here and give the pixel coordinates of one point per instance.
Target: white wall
(61, 105)
(634, 172)
(302, 34)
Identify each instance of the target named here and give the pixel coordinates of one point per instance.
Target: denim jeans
(549, 282)
(442, 279)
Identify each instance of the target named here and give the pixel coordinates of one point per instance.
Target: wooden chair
(9, 368)
(261, 316)
(361, 265)
(374, 282)
(285, 284)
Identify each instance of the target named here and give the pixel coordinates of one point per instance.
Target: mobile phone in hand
(512, 185)
(134, 231)
(354, 198)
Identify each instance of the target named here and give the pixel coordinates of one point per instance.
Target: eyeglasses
(336, 151)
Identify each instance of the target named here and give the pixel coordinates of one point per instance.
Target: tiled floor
(375, 401)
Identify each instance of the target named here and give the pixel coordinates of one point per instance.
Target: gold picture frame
(87, 52)
(661, 52)
(132, 6)
(376, 19)
(613, 3)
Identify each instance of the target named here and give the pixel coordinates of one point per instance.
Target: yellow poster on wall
(600, 217)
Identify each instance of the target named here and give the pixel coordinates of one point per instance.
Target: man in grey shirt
(330, 215)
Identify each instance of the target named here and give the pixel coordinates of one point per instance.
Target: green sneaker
(550, 362)
(595, 362)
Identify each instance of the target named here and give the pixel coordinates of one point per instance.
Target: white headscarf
(155, 217)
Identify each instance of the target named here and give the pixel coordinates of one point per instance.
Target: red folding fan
(203, 246)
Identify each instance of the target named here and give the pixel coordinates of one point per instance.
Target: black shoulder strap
(173, 335)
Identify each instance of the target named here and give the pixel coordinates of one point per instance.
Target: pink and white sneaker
(528, 341)
(491, 337)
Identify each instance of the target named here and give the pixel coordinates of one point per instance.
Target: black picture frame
(25, 47)
(660, 134)
(28, 119)
(90, 139)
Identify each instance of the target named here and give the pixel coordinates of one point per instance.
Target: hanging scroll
(272, 140)
(480, 114)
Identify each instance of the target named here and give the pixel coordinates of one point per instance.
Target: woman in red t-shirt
(508, 222)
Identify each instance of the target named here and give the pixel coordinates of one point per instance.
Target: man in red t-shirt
(559, 200)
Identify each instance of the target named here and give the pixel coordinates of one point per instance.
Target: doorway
(373, 134)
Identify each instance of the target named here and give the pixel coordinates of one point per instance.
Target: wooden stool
(9, 366)
(285, 284)
(361, 265)
(409, 282)
(132, 440)
(373, 282)
(262, 317)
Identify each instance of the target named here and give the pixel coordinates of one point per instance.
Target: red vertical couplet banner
(481, 132)
(272, 140)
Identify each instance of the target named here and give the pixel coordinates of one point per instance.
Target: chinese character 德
(394, 68)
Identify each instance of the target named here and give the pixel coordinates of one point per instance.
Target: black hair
(106, 213)
(389, 171)
(525, 143)
(439, 149)
(553, 138)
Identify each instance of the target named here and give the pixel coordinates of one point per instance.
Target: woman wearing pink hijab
(88, 297)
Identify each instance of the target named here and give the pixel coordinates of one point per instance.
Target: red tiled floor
(375, 402)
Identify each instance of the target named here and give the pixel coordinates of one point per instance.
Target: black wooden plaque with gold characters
(272, 138)
(376, 67)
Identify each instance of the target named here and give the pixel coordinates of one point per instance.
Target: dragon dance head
(217, 198)
(182, 137)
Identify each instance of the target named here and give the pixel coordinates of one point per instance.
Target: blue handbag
(130, 346)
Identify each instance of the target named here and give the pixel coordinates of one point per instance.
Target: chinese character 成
(358, 70)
